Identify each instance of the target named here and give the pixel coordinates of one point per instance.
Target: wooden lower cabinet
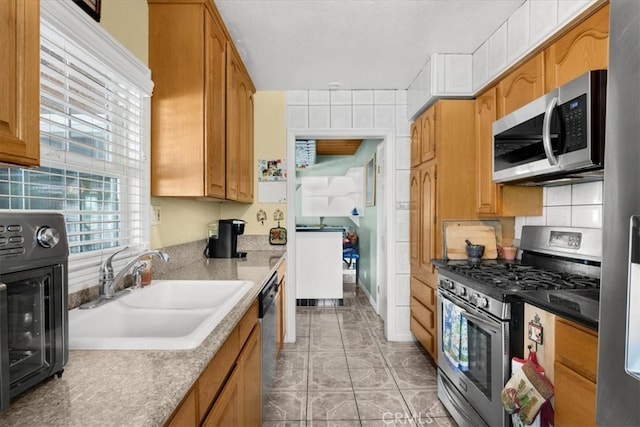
(239, 402)
(575, 372)
(424, 315)
(229, 390)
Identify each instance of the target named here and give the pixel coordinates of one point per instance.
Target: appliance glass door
(29, 322)
(522, 144)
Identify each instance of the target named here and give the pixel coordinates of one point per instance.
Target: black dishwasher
(268, 318)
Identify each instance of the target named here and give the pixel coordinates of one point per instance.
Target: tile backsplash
(575, 205)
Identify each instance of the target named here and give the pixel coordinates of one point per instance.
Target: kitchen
(289, 107)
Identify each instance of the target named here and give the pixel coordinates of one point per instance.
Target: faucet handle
(106, 269)
(137, 275)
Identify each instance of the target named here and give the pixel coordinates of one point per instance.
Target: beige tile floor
(343, 372)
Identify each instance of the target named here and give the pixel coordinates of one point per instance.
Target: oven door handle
(546, 132)
(4, 349)
(479, 319)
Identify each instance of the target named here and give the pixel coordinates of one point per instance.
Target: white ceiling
(362, 44)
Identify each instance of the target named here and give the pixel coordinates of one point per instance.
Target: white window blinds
(94, 131)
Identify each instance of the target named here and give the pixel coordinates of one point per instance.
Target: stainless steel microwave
(558, 137)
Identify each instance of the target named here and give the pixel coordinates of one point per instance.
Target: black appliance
(225, 243)
(559, 271)
(268, 314)
(557, 138)
(33, 300)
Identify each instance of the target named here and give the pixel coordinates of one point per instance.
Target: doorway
(384, 269)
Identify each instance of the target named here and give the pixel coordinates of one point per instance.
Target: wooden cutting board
(455, 235)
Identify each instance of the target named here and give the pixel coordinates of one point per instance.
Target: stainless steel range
(480, 311)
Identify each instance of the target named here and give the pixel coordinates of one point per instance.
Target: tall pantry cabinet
(202, 105)
(442, 186)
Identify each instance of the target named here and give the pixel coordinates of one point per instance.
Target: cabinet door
(227, 411)
(20, 82)
(584, 48)
(575, 398)
(488, 191)
(416, 128)
(415, 203)
(250, 379)
(428, 135)
(522, 86)
(428, 220)
(214, 97)
(240, 166)
(245, 158)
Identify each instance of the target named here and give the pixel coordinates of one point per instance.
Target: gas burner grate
(518, 277)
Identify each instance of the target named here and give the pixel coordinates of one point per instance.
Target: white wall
(386, 111)
(576, 205)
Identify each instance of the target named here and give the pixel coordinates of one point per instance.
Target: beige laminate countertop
(136, 387)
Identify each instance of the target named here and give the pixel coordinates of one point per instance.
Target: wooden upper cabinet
(584, 48)
(186, 119)
(488, 191)
(202, 106)
(428, 135)
(523, 85)
(415, 143)
(240, 92)
(20, 82)
(215, 111)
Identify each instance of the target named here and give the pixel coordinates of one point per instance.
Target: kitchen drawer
(426, 338)
(424, 315)
(577, 348)
(423, 293)
(248, 321)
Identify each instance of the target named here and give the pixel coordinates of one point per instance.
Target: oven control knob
(450, 285)
(461, 291)
(482, 302)
(48, 237)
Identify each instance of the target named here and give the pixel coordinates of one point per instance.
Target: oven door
(480, 383)
(32, 320)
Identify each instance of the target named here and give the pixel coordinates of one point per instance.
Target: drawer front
(423, 293)
(426, 338)
(282, 268)
(577, 348)
(248, 321)
(424, 315)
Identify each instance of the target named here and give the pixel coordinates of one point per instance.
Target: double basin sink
(166, 315)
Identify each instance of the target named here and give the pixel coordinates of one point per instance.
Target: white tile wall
(371, 109)
(576, 205)
(518, 32)
(363, 116)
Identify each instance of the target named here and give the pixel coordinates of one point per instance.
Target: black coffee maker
(225, 244)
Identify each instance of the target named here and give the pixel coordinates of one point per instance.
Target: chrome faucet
(108, 282)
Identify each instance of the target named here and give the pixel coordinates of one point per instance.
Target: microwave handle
(546, 132)
(4, 349)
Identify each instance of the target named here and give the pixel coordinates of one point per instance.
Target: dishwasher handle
(268, 295)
